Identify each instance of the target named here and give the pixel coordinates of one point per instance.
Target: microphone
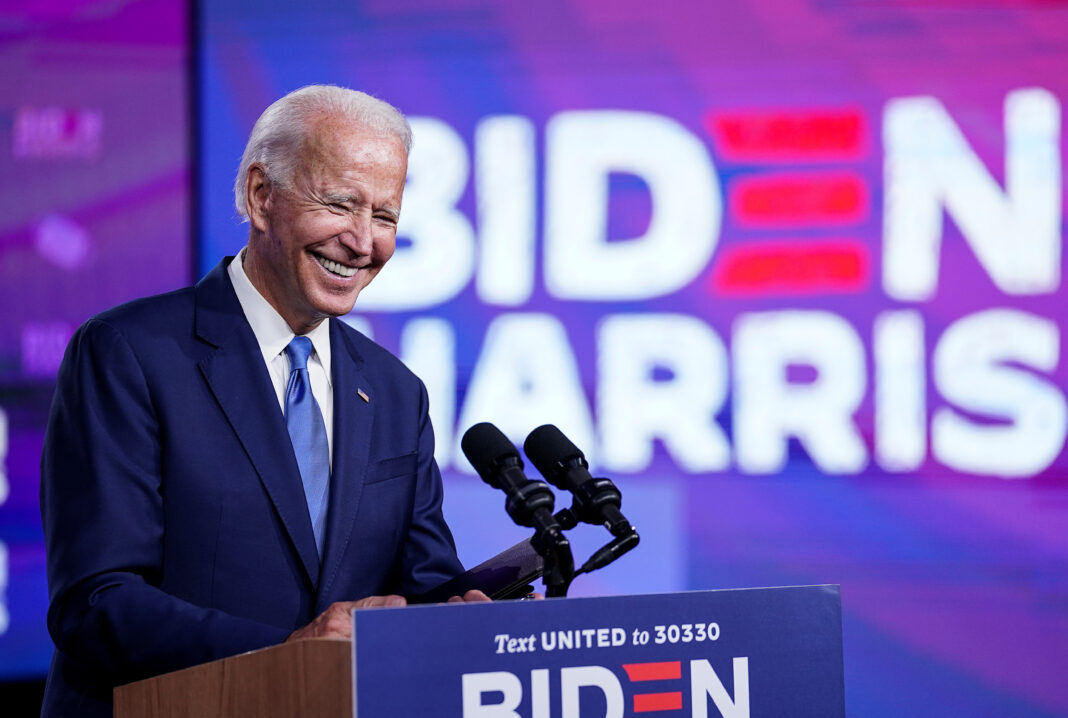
(529, 503)
(596, 501)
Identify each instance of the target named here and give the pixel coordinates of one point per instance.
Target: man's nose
(360, 237)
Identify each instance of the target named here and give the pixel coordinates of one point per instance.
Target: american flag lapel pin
(363, 395)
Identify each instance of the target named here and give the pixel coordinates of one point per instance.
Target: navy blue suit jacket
(175, 521)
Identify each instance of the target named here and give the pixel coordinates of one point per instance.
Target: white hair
(280, 131)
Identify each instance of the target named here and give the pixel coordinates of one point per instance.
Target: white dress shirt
(273, 335)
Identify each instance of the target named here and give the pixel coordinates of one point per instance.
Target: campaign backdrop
(94, 211)
(790, 272)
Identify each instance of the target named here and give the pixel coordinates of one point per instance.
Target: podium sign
(737, 653)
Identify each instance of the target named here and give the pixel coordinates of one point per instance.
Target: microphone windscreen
(485, 445)
(547, 447)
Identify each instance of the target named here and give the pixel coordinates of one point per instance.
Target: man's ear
(257, 196)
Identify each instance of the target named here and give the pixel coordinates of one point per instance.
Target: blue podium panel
(738, 653)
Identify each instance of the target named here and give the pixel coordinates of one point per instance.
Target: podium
(731, 653)
(303, 678)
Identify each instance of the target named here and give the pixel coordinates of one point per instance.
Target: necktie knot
(298, 352)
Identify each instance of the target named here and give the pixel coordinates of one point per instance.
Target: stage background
(95, 210)
(790, 272)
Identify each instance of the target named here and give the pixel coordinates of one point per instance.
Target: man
(225, 470)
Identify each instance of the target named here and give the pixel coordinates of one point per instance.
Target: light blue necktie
(308, 434)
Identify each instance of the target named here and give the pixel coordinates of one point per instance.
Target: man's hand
(336, 621)
(472, 596)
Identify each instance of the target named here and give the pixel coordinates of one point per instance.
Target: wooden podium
(304, 678)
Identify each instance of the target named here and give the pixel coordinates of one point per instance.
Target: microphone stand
(596, 502)
(559, 561)
(531, 504)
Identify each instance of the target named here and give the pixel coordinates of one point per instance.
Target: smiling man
(322, 231)
(228, 466)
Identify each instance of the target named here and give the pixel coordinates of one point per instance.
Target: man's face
(316, 244)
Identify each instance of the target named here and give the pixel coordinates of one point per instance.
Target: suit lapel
(240, 382)
(353, 417)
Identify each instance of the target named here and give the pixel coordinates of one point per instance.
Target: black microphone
(596, 501)
(529, 503)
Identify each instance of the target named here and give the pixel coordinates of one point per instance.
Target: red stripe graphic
(815, 134)
(799, 199)
(646, 702)
(653, 671)
(791, 268)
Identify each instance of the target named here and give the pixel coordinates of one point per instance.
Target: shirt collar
(272, 332)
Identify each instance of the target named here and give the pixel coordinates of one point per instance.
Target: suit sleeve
(429, 556)
(102, 510)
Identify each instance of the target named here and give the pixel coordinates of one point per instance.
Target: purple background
(954, 586)
(94, 211)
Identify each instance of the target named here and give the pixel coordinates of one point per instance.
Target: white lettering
(475, 685)
(573, 679)
(506, 191)
(539, 693)
(900, 390)
(769, 409)
(1015, 234)
(970, 371)
(583, 149)
(526, 376)
(635, 407)
(441, 258)
(705, 683)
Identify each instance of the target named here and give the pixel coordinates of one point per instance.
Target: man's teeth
(332, 266)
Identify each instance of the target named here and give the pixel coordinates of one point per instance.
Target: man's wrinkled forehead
(326, 135)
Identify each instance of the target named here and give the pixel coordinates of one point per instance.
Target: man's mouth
(334, 267)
